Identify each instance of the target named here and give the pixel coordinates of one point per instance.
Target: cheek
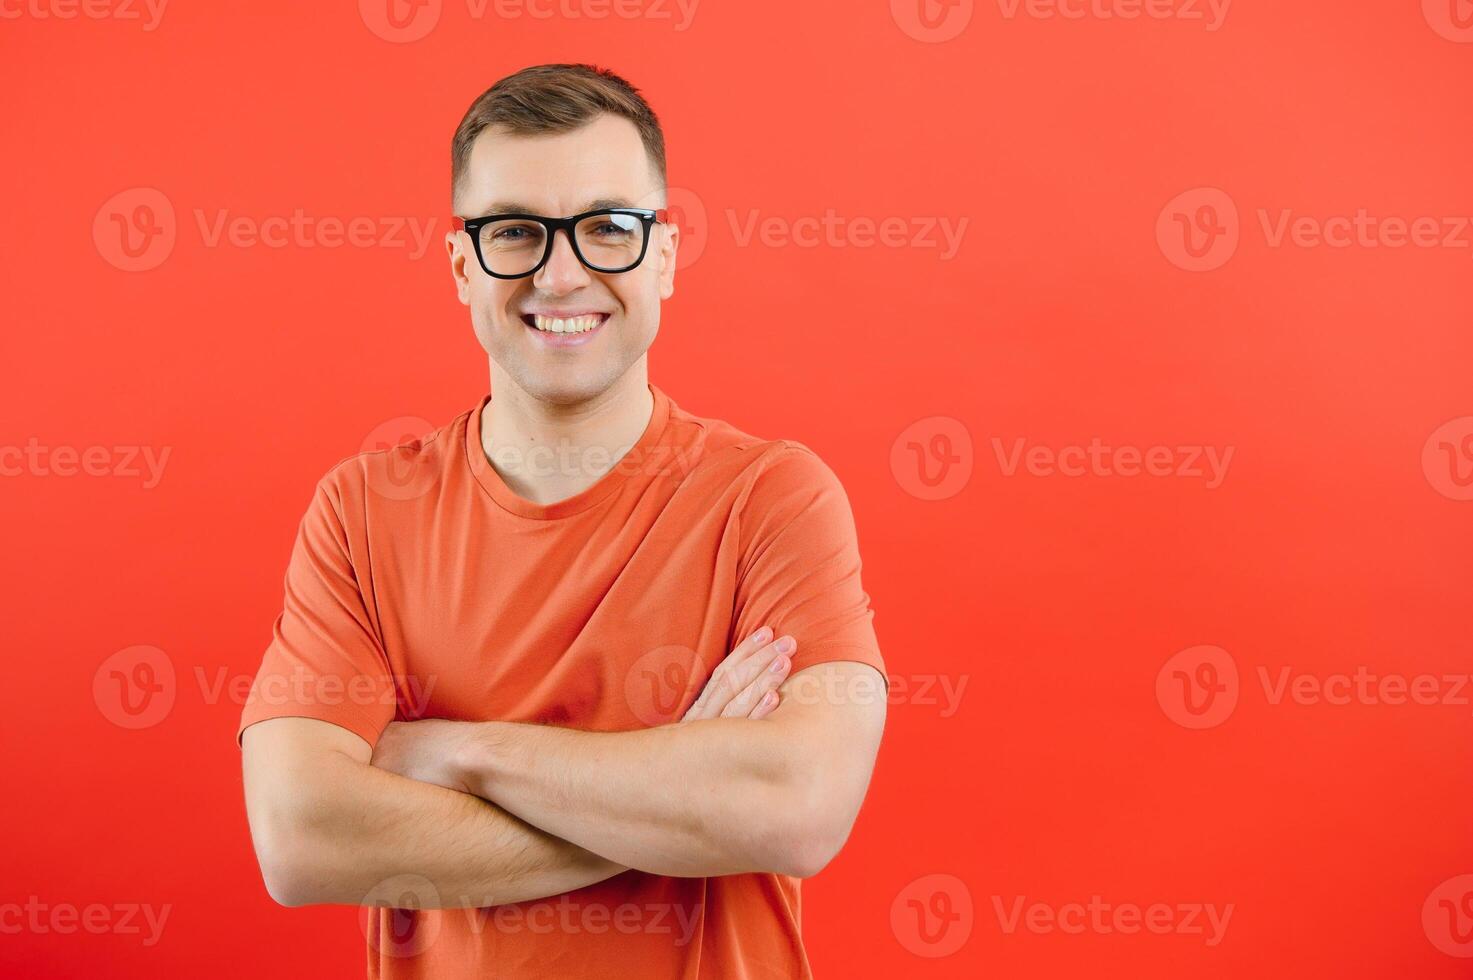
(489, 301)
(641, 302)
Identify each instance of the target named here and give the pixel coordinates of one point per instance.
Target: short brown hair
(554, 99)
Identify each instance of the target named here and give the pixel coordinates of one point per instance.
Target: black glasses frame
(472, 227)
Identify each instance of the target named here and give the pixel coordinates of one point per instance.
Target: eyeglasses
(510, 246)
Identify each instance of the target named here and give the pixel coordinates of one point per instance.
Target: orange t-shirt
(420, 586)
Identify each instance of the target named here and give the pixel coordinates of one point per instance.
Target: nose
(563, 273)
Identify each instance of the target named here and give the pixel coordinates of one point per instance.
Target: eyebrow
(516, 207)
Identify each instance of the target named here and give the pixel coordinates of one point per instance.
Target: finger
(766, 706)
(764, 688)
(774, 674)
(747, 702)
(738, 677)
(734, 673)
(749, 646)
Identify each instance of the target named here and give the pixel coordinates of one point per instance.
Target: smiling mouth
(584, 323)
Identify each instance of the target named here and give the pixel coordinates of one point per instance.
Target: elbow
(289, 884)
(812, 834)
(284, 854)
(284, 888)
(805, 858)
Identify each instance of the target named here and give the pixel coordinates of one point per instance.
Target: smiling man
(580, 684)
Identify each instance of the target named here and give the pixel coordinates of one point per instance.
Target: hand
(424, 750)
(745, 683)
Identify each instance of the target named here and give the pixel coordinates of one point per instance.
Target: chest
(607, 624)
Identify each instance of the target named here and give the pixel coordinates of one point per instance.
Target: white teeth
(575, 324)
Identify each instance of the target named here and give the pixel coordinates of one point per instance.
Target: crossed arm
(488, 813)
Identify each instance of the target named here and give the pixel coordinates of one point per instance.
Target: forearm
(723, 796)
(351, 834)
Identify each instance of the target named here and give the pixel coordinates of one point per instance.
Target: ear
(456, 253)
(669, 245)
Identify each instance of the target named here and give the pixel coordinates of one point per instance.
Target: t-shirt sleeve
(799, 567)
(325, 659)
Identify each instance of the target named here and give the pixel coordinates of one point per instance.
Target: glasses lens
(611, 242)
(512, 247)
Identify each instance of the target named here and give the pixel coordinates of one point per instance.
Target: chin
(561, 391)
(562, 384)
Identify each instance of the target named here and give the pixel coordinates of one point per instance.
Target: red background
(1056, 600)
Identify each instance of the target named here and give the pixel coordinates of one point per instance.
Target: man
(580, 684)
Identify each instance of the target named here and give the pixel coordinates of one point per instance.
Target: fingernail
(761, 636)
(785, 645)
(769, 697)
(779, 665)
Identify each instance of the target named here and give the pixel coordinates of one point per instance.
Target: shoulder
(784, 468)
(403, 463)
(764, 466)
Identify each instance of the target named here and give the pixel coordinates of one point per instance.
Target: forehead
(560, 173)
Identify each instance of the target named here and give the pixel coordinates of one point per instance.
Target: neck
(547, 452)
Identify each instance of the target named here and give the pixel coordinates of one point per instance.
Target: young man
(581, 684)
